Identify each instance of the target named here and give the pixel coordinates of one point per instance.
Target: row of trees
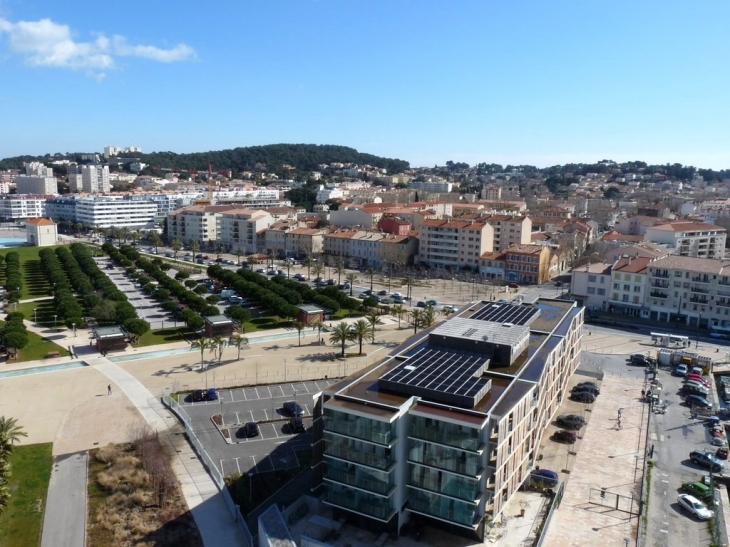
(64, 302)
(10, 433)
(217, 344)
(14, 333)
(13, 277)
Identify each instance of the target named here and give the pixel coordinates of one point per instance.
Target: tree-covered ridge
(303, 157)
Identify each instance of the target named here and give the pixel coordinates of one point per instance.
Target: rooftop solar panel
(507, 313)
(441, 375)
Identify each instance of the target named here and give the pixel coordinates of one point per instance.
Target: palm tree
(398, 310)
(428, 317)
(318, 269)
(155, 239)
(416, 317)
(308, 263)
(238, 252)
(176, 245)
(135, 236)
(238, 340)
(341, 334)
(252, 260)
(370, 272)
(194, 246)
(408, 283)
(339, 270)
(124, 234)
(218, 344)
(300, 327)
(270, 258)
(351, 278)
(202, 344)
(319, 326)
(10, 432)
(374, 319)
(361, 330)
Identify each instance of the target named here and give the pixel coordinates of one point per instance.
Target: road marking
(666, 481)
(230, 392)
(238, 420)
(238, 465)
(222, 472)
(244, 395)
(664, 531)
(661, 438)
(653, 437)
(270, 394)
(265, 414)
(282, 442)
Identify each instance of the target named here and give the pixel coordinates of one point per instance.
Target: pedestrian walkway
(64, 521)
(202, 496)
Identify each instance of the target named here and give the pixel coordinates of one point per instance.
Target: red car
(697, 378)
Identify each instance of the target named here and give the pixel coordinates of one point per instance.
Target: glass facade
(359, 476)
(362, 452)
(458, 436)
(443, 483)
(357, 426)
(434, 455)
(441, 507)
(355, 500)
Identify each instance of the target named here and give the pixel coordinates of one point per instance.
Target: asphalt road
(64, 523)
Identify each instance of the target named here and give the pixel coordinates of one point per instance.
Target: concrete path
(214, 522)
(64, 523)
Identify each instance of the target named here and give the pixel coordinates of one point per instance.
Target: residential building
(454, 244)
(491, 192)
(22, 206)
(637, 225)
(4, 187)
(695, 239)
(365, 250)
(590, 285)
(355, 215)
(41, 232)
(62, 208)
(628, 285)
(337, 246)
(115, 212)
(275, 236)
(25, 184)
(196, 222)
(241, 229)
(92, 179)
(431, 185)
(527, 264)
(509, 230)
(37, 169)
(401, 439)
(301, 242)
(398, 251)
(395, 225)
(166, 202)
(492, 265)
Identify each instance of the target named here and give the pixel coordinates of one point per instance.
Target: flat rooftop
(549, 322)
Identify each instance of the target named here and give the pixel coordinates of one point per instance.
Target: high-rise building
(25, 184)
(95, 179)
(37, 169)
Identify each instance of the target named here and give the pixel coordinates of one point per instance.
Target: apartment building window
(677, 274)
(602, 279)
(677, 283)
(627, 277)
(602, 292)
(616, 286)
(614, 296)
(627, 287)
(636, 299)
(637, 288)
(591, 290)
(591, 279)
(625, 298)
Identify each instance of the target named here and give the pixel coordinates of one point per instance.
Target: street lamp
(35, 315)
(74, 327)
(55, 321)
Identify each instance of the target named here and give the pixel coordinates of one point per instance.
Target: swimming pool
(11, 241)
(148, 355)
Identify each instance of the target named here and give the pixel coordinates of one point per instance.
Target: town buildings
(447, 428)
(22, 206)
(454, 243)
(697, 239)
(41, 232)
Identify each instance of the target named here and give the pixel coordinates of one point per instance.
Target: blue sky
(536, 82)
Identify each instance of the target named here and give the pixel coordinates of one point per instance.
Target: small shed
(310, 314)
(218, 325)
(41, 232)
(112, 338)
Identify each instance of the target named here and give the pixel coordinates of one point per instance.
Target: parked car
(367, 292)
(421, 304)
(639, 359)
(544, 478)
(583, 397)
(292, 408)
(449, 308)
(502, 301)
(297, 276)
(399, 300)
(695, 388)
(705, 458)
(565, 436)
(589, 384)
(260, 270)
(694, 506)
(211, 394)
(697, 400)
(251, 429)
(296, 425)
(346, 285)
(513, 285)
(587, 389)
(431, 303)
(697, 378)
(331, 282)
(397, 295)
(681, 370)
(699, 490)
(198, 395)
(571, 421)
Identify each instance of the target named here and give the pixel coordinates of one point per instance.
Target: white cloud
(46, 43)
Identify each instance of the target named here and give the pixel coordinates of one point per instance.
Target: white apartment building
(431, 186)
(115, 212)
(324, 193)
(509, 230)
(95, 179)
(247, 193)
(591, 286)
(455, 243)
(491, 192)
(302, 242)
(4, 187)
(13, 207)
(275, 236)
(243, 229)
(166, 203)
(198, 222)
(37, 169)
(628, 286)
(695, 239)
(25, 184)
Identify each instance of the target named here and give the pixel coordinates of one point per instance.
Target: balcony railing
(462, 517)
(357, 456)
(379, 511)
(699, 290)
(658, 294)
(657, 273)
(353, 430)
(699, 300)
(469, 469)
(660, 284)
(701, 280)
(465, 442)
(352, 479)
(722, 304)
(461, 491)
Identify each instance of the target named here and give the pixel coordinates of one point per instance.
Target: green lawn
(20, 524)
(34, 283)
(37, 348)
(45, 313)
(164, 336)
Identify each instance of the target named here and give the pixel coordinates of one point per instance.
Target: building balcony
(369, 507)
(700, 279)
(356, 430)
(358, 456)
(461, 489)
(465, 516)
(701, 290)
(660, 284)
(351, 479)
(658, 294)
(699, 300)
(465, 442)
(664, 275)
(722, 303)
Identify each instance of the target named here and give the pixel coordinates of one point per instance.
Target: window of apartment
(614, 296)
(591, 278)
(677, 283)
(677, 274)
(625, 298)
(637, 288)
(591, 290)
(616, 286)
(627, 287)
(602, 279)
(627, 277)
(636, 299)
(637, 278)
(602, 292)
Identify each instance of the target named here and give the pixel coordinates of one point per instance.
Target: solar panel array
(506, 313)
(441, 375)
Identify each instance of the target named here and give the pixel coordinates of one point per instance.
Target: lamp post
(74, 328)
(55, 321)
(35, 315)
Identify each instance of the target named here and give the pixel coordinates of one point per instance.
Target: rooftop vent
(508, 324)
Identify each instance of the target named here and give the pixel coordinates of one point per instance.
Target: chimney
(629, 260)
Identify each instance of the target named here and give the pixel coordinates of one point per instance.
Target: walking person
(109, 389)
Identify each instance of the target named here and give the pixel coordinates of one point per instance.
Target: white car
(449, 308)
(397, 295)
(694, 506)
(681, 370)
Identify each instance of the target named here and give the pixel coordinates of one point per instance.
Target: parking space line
(230, 391)
(265, 413)
(306, 410)
(307, 387)
(269, 390)
(222, 472)
(255, 465)
(239, 466)
(282, 391)
(244, 395)
(238, 420)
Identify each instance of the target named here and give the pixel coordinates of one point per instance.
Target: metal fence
(213, 471)
(553, 507)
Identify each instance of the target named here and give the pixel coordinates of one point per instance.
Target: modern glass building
(446, 427)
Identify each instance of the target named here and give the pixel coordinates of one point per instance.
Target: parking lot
(275, 447)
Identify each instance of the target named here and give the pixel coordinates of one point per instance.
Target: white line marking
(265, 413)
(233, 400)
(222, 472)
(270, 394)
(238, 420)
(244, 395)
(239, 467)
